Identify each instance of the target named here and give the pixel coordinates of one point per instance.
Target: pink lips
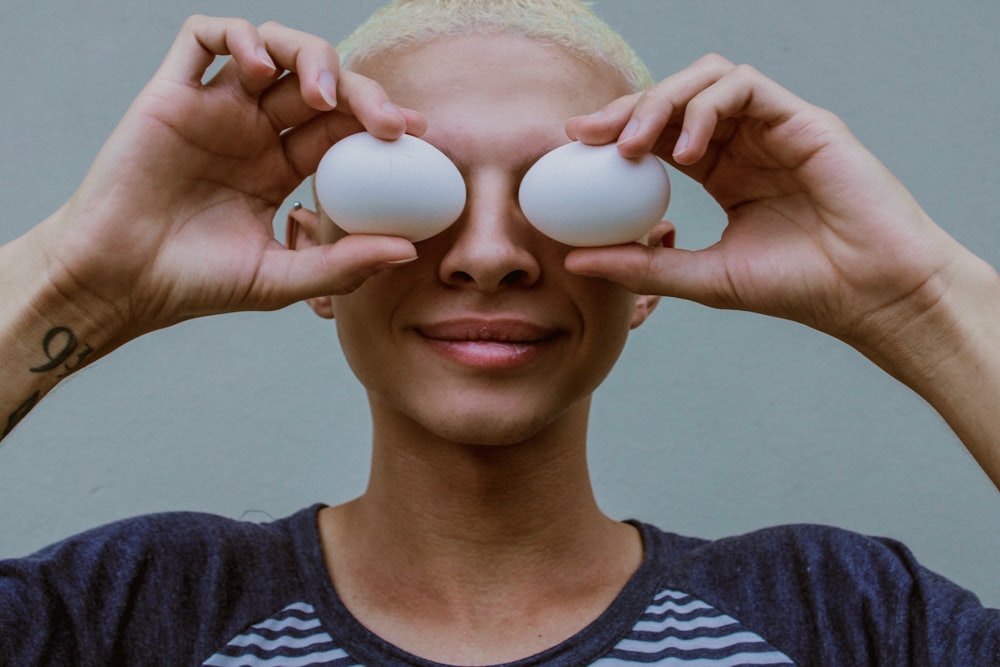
(489, 343)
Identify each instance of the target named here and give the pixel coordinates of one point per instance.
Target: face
(486, 339)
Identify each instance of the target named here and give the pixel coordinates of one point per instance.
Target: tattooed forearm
(58, 346)
(61, 352)
(20, 413)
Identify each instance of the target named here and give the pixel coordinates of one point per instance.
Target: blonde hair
(569, 24)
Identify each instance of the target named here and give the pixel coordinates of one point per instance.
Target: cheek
(608, 313)
(358, 316)
(607, 303)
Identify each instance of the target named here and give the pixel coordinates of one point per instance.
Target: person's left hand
(818, 230)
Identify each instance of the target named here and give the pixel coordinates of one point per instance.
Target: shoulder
(172, 539)
(809, 588)
(796, 550)
(177, 578)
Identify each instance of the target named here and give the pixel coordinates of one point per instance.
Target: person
(478, 540)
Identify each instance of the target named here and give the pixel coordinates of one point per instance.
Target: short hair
(569, 24)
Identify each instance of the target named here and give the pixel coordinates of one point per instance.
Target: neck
(447, 529)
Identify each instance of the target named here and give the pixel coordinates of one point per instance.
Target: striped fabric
(675, 630)
(294, 637)
(681, 630)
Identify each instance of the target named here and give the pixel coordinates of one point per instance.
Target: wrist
(953, 324)
(46, 314)
(949, 353)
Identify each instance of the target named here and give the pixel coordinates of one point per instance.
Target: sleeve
(64, 604)
(160, 589)
(825, 596)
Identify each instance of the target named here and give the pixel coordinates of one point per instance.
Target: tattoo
(66, 344)
(63, 352)
(21, 412)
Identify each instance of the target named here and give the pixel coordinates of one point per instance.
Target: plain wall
(713, 423)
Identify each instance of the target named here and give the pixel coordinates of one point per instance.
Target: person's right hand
(174, 219)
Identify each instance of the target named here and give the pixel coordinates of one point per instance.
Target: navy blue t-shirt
(194, 589)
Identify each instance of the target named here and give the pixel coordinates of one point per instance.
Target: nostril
(516, 277)
(461, 277)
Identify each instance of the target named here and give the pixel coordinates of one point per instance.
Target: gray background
(713, 423)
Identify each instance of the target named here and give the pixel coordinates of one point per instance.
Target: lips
(489, 343)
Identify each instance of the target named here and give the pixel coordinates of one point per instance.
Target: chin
(498, 435)
(505, 428)
(492, 425)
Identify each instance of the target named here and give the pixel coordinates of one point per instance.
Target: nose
(491, 246)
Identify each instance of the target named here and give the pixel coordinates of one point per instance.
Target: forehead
(494, 80)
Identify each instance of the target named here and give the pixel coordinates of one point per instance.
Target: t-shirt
(196, 589)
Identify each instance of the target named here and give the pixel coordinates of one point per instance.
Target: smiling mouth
(490, 344)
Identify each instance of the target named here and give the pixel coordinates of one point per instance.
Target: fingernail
(629, 132)
(264, 57)
(396, 262)
(327, 85)
(682, 143)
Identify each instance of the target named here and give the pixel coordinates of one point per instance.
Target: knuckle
(193, 22)
(744, 72)
(243, 26)
(321, 50)
(330, 54)
(829, 118)
(715, 61)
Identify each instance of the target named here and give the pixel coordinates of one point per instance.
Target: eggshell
(585, 195)
(405, 187)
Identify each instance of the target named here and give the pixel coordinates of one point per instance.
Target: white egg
(405, 187)
(584, 195)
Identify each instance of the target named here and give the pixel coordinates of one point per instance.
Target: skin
(465, 504)
(479, 454)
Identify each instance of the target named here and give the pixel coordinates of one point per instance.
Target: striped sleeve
(678, 629)
(293, 637)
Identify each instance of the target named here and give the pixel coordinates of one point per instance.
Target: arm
(818, 232)
(174, 218)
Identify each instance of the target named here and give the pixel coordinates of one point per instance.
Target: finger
(314, 61)
(368, 101)
(284, 105)
(743, 93)
(306, 144)
(641, 269)
(356, 95)
(666, 103)
(603, 126)
(203, 38)
(287, 276)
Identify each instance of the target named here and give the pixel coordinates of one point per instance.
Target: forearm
(950, 355)
(47, 329)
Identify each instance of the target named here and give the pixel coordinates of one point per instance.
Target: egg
(584, 195)
(405, 187)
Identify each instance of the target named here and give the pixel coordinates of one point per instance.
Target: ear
(663, 235)
(302, 231)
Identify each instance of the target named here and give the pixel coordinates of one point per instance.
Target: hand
(174, 219)
(818, 230)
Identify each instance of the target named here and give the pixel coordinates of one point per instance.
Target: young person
(478, 540)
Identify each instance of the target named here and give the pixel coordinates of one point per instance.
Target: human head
(486, 338)
(569, 24)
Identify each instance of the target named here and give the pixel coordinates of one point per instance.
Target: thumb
(288, 276)
(641, 269)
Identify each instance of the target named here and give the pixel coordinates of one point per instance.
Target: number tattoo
(61, 354)
(21, 412)
(59, 346)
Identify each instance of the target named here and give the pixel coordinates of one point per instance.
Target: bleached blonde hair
(569, 24)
